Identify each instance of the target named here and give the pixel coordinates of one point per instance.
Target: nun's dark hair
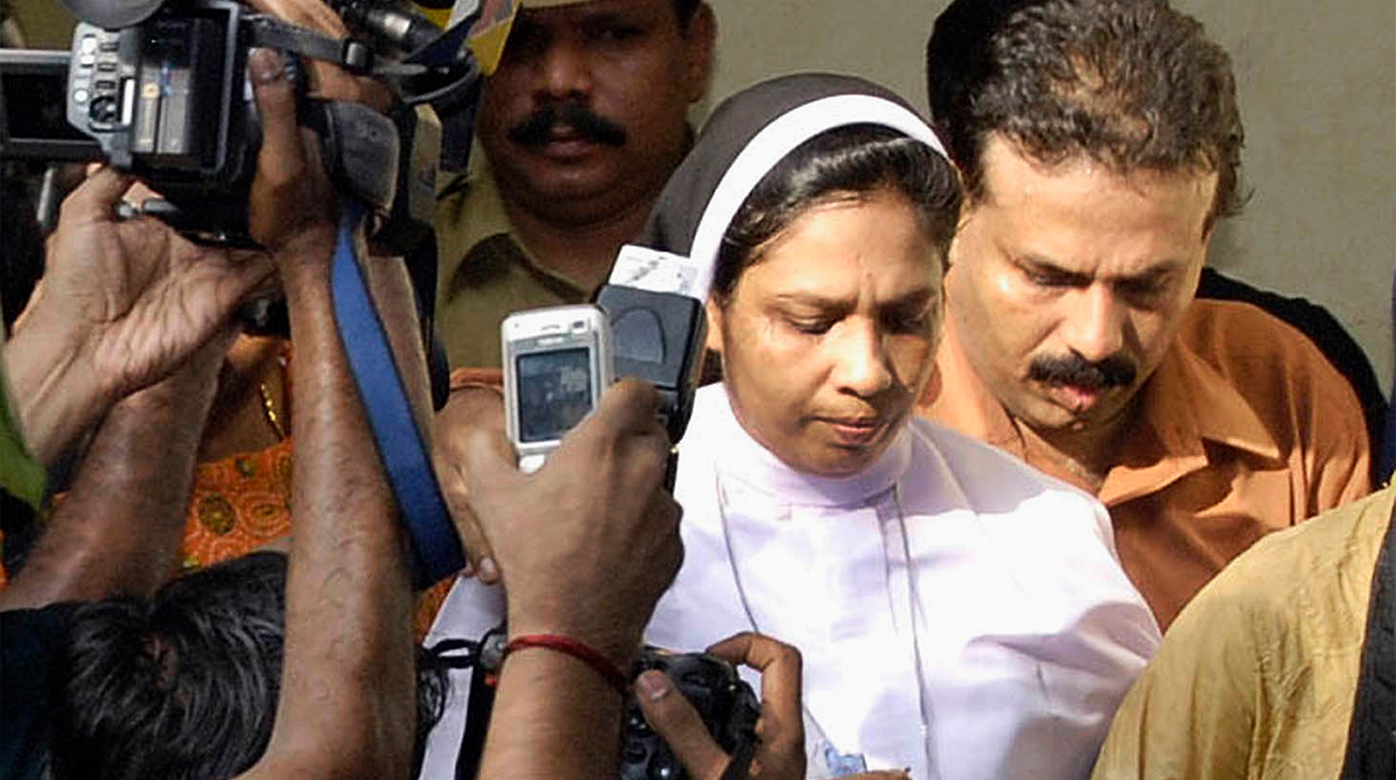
(844, 163)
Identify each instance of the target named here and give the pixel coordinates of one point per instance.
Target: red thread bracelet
(581, 651)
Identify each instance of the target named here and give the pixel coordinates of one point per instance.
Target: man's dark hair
(184, 685)
(684, 10)
(1132, 84)
(842, 163)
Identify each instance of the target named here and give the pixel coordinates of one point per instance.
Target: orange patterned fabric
(428, 604)
(237, 505)
(243, 502)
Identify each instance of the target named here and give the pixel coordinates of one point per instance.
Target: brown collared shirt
(1242, 430)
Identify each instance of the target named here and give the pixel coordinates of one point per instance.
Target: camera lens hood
(112, 14)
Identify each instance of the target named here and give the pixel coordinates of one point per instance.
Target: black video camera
(160, 88)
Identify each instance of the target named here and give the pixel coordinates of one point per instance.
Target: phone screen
(554, 392)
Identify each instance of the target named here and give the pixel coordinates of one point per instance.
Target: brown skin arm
(348, 698)
(347, 705)
(554, 718)
(118, 529)
(612, 548)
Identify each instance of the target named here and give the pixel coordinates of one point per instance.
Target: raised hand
(122, 304)
(611, 529)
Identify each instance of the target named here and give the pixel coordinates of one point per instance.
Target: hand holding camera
(780, 752)
(292, 204)
(126, 301)
(557, 363)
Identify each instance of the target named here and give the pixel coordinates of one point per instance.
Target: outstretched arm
(117, 531)
(347, 706)
(612, 548)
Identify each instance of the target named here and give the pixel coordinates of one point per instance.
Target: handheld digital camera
(727, 705)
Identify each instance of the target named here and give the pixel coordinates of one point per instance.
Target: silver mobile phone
(557, 363)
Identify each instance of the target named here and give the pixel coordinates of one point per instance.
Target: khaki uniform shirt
(1258, 676)
(1242, 430)
(484, 271)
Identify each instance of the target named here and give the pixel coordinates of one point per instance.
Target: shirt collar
(744, 460)
(462, 222)
(1184, 403)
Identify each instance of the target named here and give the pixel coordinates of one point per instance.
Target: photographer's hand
(347, 705)
(326, 80)
(120, 306)
(473, 407)
(291, 209)
(780, 754)
(612, 547)
(118, 528)
(613, 543)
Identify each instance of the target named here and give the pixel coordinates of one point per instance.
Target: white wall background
(1317, 83)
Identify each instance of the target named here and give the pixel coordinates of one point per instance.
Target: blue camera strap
(436, 550)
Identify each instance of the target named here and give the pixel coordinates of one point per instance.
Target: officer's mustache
(537, 129)
(1076, 371)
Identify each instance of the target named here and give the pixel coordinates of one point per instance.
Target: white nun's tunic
(959, 613)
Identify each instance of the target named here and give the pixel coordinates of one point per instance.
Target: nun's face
(830, 336)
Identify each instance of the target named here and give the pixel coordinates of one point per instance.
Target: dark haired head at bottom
(184, 685)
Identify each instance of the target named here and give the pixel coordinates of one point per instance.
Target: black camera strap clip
(353, 55)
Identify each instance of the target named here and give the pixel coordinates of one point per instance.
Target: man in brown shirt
(1100, 144)
(579, 129)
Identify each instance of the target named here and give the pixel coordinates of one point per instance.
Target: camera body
(168, 96)
(557, 363)
(168, 100)
(165, 94)
(725, 702)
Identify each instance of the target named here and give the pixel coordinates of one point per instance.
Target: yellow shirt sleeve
(1191, 713)
(1257, 676)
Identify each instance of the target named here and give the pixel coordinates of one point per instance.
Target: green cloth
(20, 474)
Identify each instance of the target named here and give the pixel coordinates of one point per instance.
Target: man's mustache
(537, 128)
(1076, 371)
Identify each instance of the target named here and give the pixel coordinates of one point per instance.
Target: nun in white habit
(959, 613)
